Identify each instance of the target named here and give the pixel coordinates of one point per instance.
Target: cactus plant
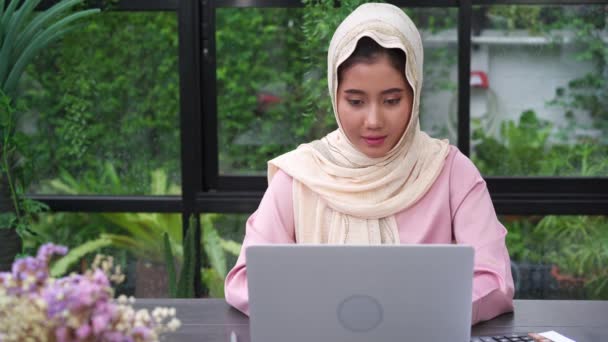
(182, 287)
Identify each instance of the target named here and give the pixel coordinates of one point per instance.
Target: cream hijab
(340, 195)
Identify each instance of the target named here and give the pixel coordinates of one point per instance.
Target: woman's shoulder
(281, 178)
(281, 184)
(462, 171)
(459, 162)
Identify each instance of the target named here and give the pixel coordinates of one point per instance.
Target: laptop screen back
(325, 293)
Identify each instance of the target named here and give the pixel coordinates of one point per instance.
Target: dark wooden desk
(212, 320)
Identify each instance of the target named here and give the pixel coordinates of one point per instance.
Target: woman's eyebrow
(354, 91)
(391, 90)
(384, 92)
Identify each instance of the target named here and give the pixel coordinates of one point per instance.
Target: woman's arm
(271, 223)
(475, 223)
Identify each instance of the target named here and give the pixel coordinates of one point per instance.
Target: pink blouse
(456, 208)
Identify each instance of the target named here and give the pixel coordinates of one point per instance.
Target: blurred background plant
(271, 77)
(93, 102)
(569, 251)
(221, 253)
(572, 243)
(23, 34)
(101, 122)
(145, 236)
(182, 286)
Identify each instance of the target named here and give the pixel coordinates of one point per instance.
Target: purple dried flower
(100, 323)
(100, 278)
(46, 251)
(62, 334)
(115, 336)
(76, 307)
(4, 276)
(143, 333)
(84, 331)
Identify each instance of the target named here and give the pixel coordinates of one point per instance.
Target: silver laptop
(326, 293)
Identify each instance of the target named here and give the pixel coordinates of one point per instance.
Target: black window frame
(204, 190)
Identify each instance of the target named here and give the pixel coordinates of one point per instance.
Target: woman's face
(374, 106)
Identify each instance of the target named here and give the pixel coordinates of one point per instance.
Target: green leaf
(55, 31)
(231, 247)
(61, 266)
(42, 19)
(159, 182)
(137, 247)
(7, 18)
(214, 249)
(14, 26)
(132, 224)
(1, 12)
(214, 282)
(185, 285)
(170, 262)
(61, 187)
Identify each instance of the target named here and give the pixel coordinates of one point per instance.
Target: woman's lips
(374, 141)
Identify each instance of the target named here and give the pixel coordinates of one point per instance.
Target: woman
(379, 179)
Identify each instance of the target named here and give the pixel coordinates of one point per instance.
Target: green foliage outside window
(258, 54)
(107, 93)
(101, 108)
(283, 53)
(575, 245)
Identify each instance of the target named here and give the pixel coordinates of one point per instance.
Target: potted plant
(23, 33)
(577, 253)
(148, 236)
(15, 209)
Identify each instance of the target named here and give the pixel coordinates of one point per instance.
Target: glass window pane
(558, 257)
(102, 107)
(272, 87)
(135, 240)
(222, 237)
(259, 86)
(553, 257)
(439, 103)
(544, 108)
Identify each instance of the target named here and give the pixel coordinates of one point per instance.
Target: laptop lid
(327, 293)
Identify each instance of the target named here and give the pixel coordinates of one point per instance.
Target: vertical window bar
(209, 139)
(464, 75)
(190, 109)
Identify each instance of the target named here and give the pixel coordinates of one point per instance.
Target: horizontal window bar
(408, 3)
(228, 202)
(548, 185)
(257, 3)
(552, 205)
(496, 185)
(295, 3)
(92, 203)
(248, 201)
(148, 5)
(242, 183)
(127, 5)
(539, 2)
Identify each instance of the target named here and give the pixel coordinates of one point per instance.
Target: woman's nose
(373, 120)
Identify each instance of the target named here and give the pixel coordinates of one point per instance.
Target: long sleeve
(271, 223)
(475, 223)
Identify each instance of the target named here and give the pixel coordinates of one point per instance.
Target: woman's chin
(373, 152)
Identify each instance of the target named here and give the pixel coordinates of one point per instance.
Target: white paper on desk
(555, 337)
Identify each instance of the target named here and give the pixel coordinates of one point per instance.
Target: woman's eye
(392, 101)
(355, 102)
